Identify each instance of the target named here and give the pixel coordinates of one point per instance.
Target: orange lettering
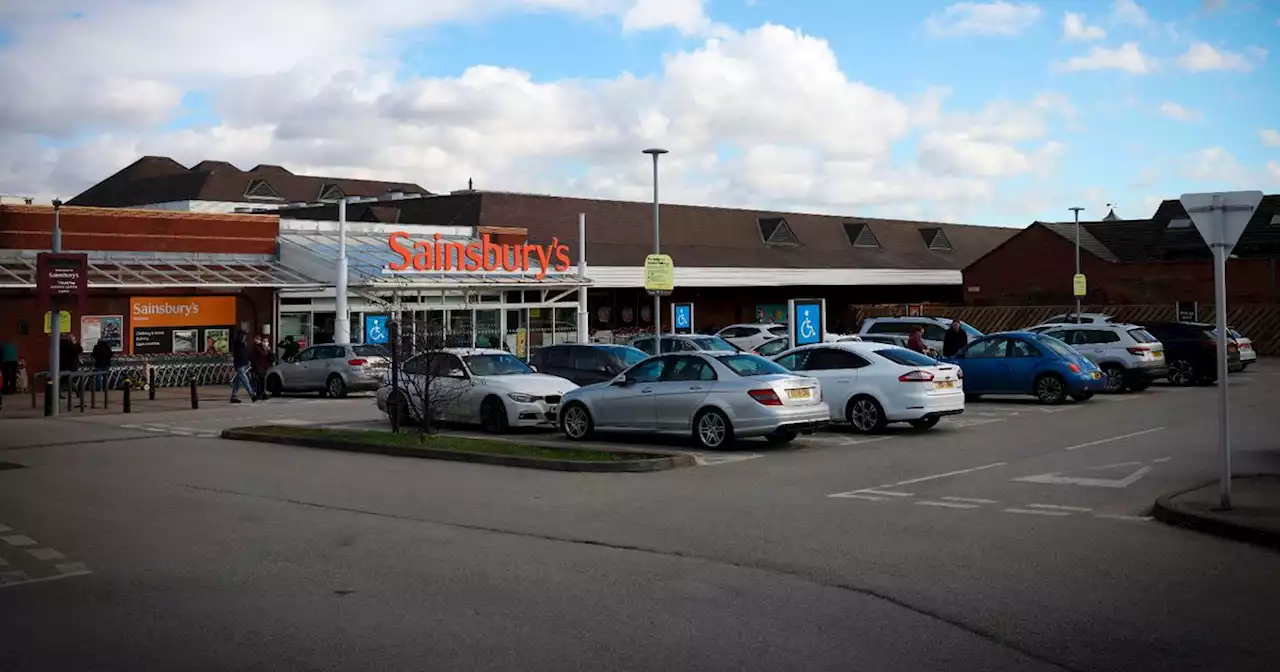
(562, 257)
(406, 257)
(474, 262)
(456, 254)
(442, 254)
(489, 263)
(423, 261)
(525, 251)
(544, 261)
(510, 258)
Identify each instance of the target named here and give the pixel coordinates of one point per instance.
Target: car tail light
(1075, 368)
(357, 362)
(1138, 351)
(766, 396)
(916, 377)
(959, 374)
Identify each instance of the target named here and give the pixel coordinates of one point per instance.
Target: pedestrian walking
(69, 352)
(260, 360)
(915, 341)
(9, 367)
(289, 348)
(102, 355)
(240, 360)
(955, 340)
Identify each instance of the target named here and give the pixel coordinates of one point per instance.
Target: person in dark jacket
(915, 341)
(955, 340)
(101, 363)
(240, 360)
(289, 348)
(69, 352)
(260, 360)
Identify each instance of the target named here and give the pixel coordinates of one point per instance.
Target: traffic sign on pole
(1221, 218)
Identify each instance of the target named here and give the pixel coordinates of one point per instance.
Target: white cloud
(1180, 113)
(1202, 57)
(983, 18)
(1273, 172)
(687, 16)
(1270, 137)
(1129, 12)
(1128, 57)
(1216, 165)
(1003, 139)
(1076, 29)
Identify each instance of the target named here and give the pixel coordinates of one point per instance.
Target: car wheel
(493, 416)
(781, 437)
(1082, 396)
(336, 387)
(1181, 372)
(711, 429)
(865, 415)
(926, 423)
(275, 387)
(1115, 378)
(1050, 389)
(576, 422)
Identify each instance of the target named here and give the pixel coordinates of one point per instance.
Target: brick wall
(1035, 268)
(29, 227)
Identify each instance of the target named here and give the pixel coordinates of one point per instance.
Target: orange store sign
(485, 255)
(182, 311)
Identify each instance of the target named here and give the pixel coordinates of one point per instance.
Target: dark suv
(585, 364)
(1192, 350)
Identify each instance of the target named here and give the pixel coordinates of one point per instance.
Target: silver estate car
(715, 397)
(331, 370)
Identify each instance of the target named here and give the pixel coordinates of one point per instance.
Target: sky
(995, 113)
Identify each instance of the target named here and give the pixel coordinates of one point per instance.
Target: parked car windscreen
(713, 343)
(1059, 347)
(371, 351)
(751, 365)
(495, 365)
(628, 356)
(1233, 333)
(906, 357)
(779, 330)
(1142, 336)
(973, 333)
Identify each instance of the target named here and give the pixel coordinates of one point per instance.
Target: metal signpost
(62, 281)
(1221, 218)
(1186, 311)
(1078, 282)
(657, 257)
(806, 321)
(682, 318)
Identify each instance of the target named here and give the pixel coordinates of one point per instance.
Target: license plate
(1157, 354)
(945, 385)
(800, 393)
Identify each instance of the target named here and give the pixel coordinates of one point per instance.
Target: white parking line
(19, 540)
(948, 505)
(1056, 507)
(1099, 442)
(922, 479)
(970, 500)
(890, 493)
(857, 495)
(1136, 519)
(1037, 512)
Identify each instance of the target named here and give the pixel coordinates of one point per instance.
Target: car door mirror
(455, 373)
(620, 380)
(533, 368)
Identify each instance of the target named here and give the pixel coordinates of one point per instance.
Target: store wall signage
(659, 274)
(181, 324)
(473, 256)
(109, 328)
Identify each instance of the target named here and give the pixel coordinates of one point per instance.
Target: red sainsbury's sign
(473, 256)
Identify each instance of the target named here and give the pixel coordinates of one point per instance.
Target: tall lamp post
(55, 315)
(342, 318)
(657, 300)
(1076, 210)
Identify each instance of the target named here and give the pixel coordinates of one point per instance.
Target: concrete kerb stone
(1166, 510)
(650, 461)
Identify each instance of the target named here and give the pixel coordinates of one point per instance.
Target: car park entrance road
(1019, 543)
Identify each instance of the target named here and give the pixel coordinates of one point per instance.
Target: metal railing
(134, 373)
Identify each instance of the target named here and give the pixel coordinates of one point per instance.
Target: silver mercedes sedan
(715, 397)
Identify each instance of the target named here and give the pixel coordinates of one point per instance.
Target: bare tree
(425, 380)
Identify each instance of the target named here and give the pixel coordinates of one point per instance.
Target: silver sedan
(714, 397)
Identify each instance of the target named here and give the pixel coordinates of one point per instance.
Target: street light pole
(1076, 210)
(55, 315)
(342, 319)
(657, 249)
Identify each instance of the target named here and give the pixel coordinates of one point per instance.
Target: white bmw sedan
(492, 388)
(870, 385)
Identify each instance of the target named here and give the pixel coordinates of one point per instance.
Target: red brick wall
(254, 305)
(1035, 268)
(28, 227)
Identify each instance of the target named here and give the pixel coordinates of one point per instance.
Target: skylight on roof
(261, 190)
(935, 239)
(331, 192)
(776, 231)
(860, 234)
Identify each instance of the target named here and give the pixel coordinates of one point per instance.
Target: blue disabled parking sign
(682, 318)
(806, 322)
(375, 329)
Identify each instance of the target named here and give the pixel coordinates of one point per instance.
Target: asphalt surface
(1016, 537)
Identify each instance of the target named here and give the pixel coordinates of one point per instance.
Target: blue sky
(984, 112)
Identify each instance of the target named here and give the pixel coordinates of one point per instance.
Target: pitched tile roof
(159, 179)
(620, 233)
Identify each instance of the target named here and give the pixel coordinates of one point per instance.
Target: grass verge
(458, 444)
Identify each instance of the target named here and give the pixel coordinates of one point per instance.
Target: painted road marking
(858, 495)
(1057, 478)
(1137, 519)
(1114, 438)
(45, 554)
(970, 500)
(1037, 512)
(887, 492)
(1057, 507)
(946, 505)
(24, 580)
(708, 460)
(5, 528)
(19, 540)
(922, 479)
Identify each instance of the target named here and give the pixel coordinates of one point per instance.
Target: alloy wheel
(864, 415)
(576, 422)
(1180, 372)
(1115, 379)
(1050, 390)
(711, 429)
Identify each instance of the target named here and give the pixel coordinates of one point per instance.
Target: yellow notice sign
(659, 274)
(64, 322)
(1079, 285)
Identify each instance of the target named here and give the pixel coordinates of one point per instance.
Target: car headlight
(522, 398)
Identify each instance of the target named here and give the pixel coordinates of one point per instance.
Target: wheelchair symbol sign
(375, 329)
(808, 321)
(682, 317)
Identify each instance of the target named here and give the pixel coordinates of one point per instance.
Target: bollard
(83, 380)
(48, 396)
(151, 383)
(195, 397)
(71, 389)
(128, 401)
(105, 387)
(93, 394)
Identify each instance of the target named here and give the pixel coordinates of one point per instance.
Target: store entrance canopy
(161, 270)
(373, 262)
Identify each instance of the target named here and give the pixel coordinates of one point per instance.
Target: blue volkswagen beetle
(1021, 362)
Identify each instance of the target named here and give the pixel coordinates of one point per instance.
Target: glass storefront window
(487, 335)
(297, 325)
(323, 328)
